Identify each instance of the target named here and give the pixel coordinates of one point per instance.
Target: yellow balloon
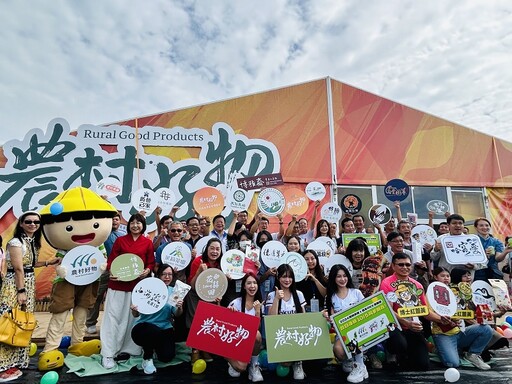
(33, 349)
(199, 366)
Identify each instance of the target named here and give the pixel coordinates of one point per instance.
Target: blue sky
(100, 62)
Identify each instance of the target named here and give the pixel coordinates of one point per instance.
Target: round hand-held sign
(331, 212)
(208, 201)
(298, 264)
(83, 264)
(144, 200)
(150, 295)
(315, 191)
(271, 202)
(177, 255)
(380, 214)
(296, 201)
(396, 190)
(211, 284)
(441, 299)
(232, 263)
(201, 244)
(127, 267)
(109, 187)
(272, 252)
(165, 199)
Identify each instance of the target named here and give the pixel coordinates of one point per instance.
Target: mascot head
(77, 217)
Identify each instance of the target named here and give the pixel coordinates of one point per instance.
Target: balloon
(508, 319)
(263, 359)
(505, 325)
(199, 366)
(430, 347)
(381, 355)
(430, 339)
(451, 375)
(379, 347)
(332, 336)
(65, 342)
(500, 331)
(56, 209)
(272, 366)
(50, 378)
(282, 370)
(507, 333)
(33, 349)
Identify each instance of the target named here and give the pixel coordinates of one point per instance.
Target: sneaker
(148, 366)
(207, 357)
(108, 362)
(194, 356)
(298, 372)
(375, 363)
(477, 361)
(347, 365)
(255, 373)
(92, 330)
(358, 374)
(9, 375)
(232, 371)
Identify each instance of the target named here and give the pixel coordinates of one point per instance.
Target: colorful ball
(263, 359)
(199, 367)
(451, 375)
(51, 377)
(65, 342)
(56, 209)
(508, 319)
(381, 355)
(507, 333)
(282, 370)
(33, 349)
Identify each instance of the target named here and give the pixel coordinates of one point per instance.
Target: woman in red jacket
(115, 332)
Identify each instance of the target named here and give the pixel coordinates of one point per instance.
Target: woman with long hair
(314, 285)
(115, 332)
(155, 332)
(341, 294)
(286, 299)
(249, 303)
(19, 286)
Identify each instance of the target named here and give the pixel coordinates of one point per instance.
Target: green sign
(297, 337)
(372, 240)
(365, 324)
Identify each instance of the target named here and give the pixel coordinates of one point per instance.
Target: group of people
(125, 332)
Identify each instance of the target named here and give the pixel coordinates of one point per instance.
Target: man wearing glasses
(409, 344)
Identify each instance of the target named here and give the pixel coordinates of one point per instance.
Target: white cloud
(98, 62)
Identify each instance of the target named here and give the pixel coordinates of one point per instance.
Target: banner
(297, 337)
(365, 324)
(223, 332)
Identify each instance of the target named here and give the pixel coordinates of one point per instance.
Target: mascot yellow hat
(77, 199)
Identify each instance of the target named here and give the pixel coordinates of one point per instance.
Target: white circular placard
(298, 264)
(331, 212)
(150, 295)
(441, 299)
(424, 234)
(165, 199)
(144, 200)
(322, 248)
(232, 263)
(315, 191)
(330, 242)
(272, 253)
(271, 202)
(328, 262)
(211, 284)
(201, 244)
(109, 186)
(439, 207)
(83, 264)
(177, 254)
(483, 294)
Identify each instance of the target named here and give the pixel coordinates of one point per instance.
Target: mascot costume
(76, 217)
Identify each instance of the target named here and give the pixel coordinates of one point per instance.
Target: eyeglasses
(166, 275)
(401, 265)
(28, 222)
(174, 230)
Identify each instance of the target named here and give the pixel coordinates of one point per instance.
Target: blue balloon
(65, 342)
(508, 319)
(379, 347)
(56, 209)
(272, 366)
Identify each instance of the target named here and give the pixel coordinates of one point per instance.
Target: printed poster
(297, 337)
(223, 332)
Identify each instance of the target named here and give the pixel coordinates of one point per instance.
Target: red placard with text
(223, 332)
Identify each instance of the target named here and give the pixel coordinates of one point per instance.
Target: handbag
(16, 327)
